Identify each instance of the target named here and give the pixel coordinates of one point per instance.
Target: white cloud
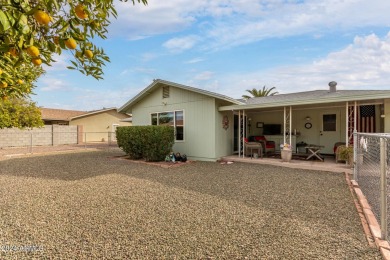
(361, 65)
(226, 23)
(205, 75)
(52, 84)
(194, 60)
(181, 44)
(61, 62)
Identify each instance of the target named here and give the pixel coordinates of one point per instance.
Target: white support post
(284, 125)
(346, 124)
(239, 133)
(290, 126)
(383, 189)
(244, 134)
(355, 117)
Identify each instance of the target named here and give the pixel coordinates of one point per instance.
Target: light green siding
(387, 116)
(200, 114)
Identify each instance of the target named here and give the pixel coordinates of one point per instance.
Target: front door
(329, 130)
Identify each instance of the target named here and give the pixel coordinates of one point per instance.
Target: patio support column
(290, 126)
(284, 125)
(287, 124)
(244, 133)
(346, 124)
(355, 117)
(239, 133)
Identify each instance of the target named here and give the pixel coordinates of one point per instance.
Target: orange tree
(19, 112)
(31, 31)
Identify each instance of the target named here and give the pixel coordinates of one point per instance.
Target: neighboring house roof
(310, 97)
(89, 113)
(59, 114)
(157, 82)
(68, 115)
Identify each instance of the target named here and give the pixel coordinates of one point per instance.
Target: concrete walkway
(328, 164)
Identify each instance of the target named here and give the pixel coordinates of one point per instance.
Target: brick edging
(370, 219)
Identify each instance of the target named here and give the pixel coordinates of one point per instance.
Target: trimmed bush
(151, 143)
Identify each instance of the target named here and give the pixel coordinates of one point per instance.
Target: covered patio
(321, 119)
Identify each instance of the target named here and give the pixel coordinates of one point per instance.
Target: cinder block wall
(47, 135)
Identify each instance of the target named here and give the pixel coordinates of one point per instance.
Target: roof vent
(332, 86)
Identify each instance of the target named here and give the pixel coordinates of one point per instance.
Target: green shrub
(151, 143)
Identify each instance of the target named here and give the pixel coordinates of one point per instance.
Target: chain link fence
(371, 157)
(29, 142)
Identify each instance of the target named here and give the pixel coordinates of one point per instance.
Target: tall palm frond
(260, 92)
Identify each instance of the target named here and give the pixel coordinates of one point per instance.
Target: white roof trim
(93, 112)
(306, 102)
(155, 82)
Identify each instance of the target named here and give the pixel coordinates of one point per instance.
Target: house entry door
(329, 131)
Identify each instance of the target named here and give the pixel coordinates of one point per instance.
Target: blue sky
(229, 46)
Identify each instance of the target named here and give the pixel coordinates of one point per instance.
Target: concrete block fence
(47, 135)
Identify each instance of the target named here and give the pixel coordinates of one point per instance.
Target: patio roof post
(244, 133)
(290, 126)
(346, 123)
(287, 124)
(355, 117)
(239, 133)
(284, 125)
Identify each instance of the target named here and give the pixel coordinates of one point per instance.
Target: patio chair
(268, 146)
(253, 146)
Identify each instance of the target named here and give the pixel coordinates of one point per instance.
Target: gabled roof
(59, 114)
(93, 112)
(310, 97)
(68, 115)
(158, 82)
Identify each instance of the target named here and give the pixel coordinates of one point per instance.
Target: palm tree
(260, 92)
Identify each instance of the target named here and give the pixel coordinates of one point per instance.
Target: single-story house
(96, 124)
(209, 126)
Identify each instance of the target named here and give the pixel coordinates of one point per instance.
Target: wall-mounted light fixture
(308, 118)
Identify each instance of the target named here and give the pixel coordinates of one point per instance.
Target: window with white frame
(174, 119)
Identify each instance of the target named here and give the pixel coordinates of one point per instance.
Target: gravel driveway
(91, 205)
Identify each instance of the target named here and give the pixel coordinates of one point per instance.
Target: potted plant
(346, 154)
(286, 152)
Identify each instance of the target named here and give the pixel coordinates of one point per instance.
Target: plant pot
(286, 155)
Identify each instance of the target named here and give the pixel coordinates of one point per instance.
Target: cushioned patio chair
(252, 147)
(268, 146)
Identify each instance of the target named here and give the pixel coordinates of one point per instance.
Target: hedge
(151, 143)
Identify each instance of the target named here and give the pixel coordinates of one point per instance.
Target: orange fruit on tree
(5, 98)
(88, 54)
(71, 43)
(80, 11)
(32, 51)
(14, 52)
(42, 17)
(20, 81)
(36, 61)
(1, 71)
(3, 84)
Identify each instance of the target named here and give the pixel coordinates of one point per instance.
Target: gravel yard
(91, 205)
